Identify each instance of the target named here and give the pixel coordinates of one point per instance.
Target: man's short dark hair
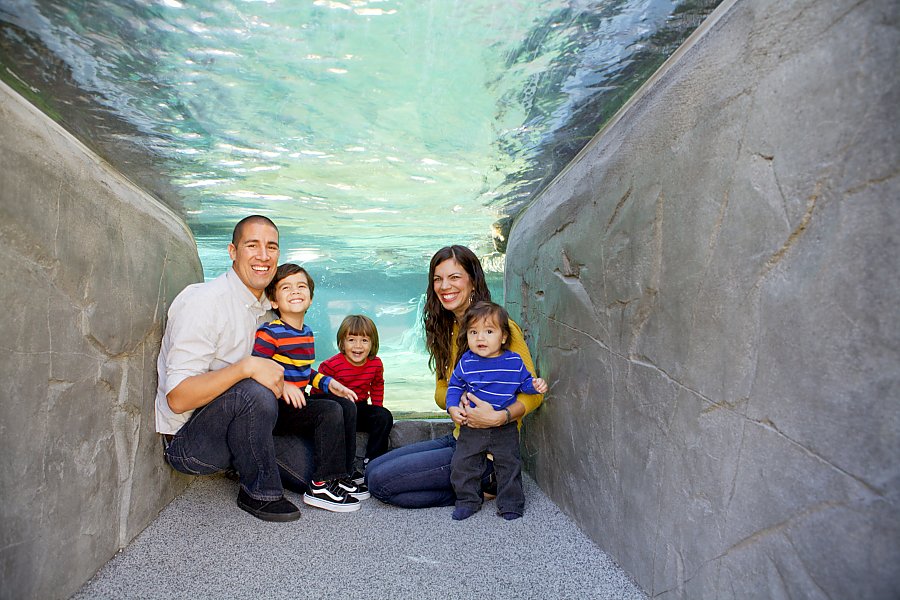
(239, 228)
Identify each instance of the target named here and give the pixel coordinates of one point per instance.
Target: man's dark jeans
(235, 431)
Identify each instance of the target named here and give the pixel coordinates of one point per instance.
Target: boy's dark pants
(348, 410)
(322, 420)
(377, 422)
(469, 461)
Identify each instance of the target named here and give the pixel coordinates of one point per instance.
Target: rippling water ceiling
(372, 132)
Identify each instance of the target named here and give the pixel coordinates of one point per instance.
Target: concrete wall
(712, 288)
(90, 264)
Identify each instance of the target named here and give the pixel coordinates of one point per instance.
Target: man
(216, 405)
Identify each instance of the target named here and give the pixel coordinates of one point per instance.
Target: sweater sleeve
(265, 343)
(326, 368)
(526, 381)
(319, 380)
(455, 388)
(517, 345)
(440, 387)
(377, 392)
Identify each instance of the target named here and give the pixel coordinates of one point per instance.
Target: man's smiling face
(255, 256)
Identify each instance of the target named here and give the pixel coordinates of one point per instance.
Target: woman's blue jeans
(417, 475)
(235, 431)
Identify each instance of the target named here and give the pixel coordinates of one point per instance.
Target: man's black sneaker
(280, 510)
(330, 496)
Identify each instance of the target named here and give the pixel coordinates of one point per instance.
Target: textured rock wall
(90, 264)
(712, 289)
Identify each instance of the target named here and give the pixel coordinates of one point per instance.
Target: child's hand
(294, 396)
(339, 389)
(540, 385)
(458, 415)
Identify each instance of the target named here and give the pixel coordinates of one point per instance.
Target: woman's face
(453, 287)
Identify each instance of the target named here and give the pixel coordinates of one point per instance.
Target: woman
(418, 475)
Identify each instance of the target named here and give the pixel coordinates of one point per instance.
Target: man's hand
(294, 396)
(339, 389)
(265, 371)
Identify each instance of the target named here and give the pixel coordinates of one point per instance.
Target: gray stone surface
(90, 265)
(711, 289)
(407, 432)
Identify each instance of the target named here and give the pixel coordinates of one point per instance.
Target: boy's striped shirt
(292, 349)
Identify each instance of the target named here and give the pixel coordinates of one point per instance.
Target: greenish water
(372, 132)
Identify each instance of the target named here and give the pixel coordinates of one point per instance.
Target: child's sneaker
(330, 496)
(358, 477)
(357, 490)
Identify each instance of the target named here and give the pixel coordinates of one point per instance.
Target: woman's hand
(458, 415)
(480, 414)
(339, 389)
(294, 396)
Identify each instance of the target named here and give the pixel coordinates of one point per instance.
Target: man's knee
(258, 398)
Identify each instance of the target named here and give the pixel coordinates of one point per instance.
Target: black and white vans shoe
(357, 490)
(358, 477)
(330, 496)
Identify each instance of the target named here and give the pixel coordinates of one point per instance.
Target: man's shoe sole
(328, 505)
(266, 516)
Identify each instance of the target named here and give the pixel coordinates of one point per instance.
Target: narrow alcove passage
(703, 266)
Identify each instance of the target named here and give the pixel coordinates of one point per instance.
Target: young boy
(357, 365)
(291, 343)
(492, 373)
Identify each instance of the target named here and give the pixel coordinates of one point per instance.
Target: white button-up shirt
(211, 325)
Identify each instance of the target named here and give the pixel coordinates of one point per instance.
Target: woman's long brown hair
(438, 320)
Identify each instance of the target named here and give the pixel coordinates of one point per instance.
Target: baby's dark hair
(476, 312)
(284, 271)
(358, 325)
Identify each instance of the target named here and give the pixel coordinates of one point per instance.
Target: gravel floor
(203, 546)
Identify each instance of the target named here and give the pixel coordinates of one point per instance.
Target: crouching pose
(216, 405)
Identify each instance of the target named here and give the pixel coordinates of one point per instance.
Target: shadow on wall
(97, 262)
(711, 288)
